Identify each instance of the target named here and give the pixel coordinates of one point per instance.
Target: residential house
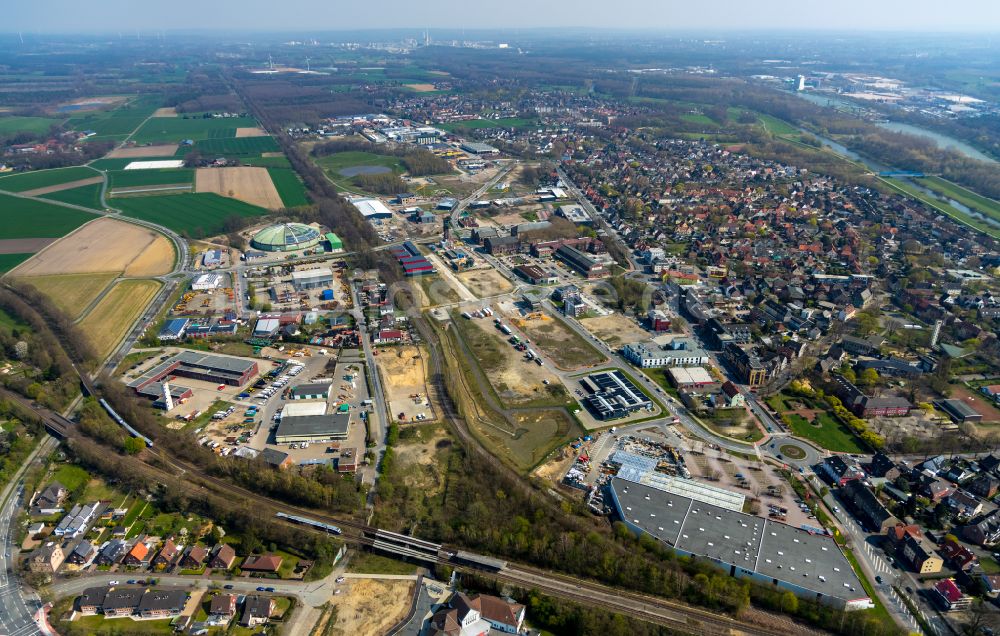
(81, 554)
(920, 554)
(950, 596)
(223, 557)
(50, 500)
(222, 609)
(262, 564)
(194, 557)
(138, 556)
(984, 530)
(990, 584)
(257, 610)
(841, 470)
(111, 552)
(733, 397)
(958, 556)
(984, 486)
(47, 558)
(503, 616)
(121, 602)
(937, 490)
(91, 600)
(158, 604)
(963, 505)
(165, 557)
(866, 506)
(882, 467)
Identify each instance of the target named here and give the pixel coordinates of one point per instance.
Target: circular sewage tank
(286, 237)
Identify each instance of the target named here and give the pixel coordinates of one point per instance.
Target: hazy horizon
(106, 16)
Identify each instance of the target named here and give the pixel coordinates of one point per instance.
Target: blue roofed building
(174, 329)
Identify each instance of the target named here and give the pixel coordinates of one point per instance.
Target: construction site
(404, 377)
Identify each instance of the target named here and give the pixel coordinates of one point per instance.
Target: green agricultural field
(25, 181)
(174, 129)
(509, 122)
(120, 122)
(334, 163)
(138, 178)
(289, 187)
(196, 215)
(35, 125)
(86, 196)
(10, 261)
(35, 218)
(236, 146)
(267, 162)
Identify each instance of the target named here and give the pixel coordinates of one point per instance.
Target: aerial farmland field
(71, 293)
(197, 215)
(289, 186)
(36, 125)
(36, 179)
(110, 319)
(137, 178)
(88, 196)
(175, 129)
(242, 146)
(33, 218)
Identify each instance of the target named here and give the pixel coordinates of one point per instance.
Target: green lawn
(198, 215)
(237, 146)
(334, 163)
(175, 129)
(289, 186)
(10, 261)
(87, 196)
(509, 122)
(71, 476)
(829, 434)
(778, 127)
(37, 125)
(368, 563)
(30, 218)
(44, 178)
(701, 120)
(139, 178)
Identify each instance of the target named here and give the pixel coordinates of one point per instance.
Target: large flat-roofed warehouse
(312, 428)
(199, 366)
(745, 546)
(312, 278)
(959, 411)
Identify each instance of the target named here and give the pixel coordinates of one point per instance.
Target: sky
(325, 15)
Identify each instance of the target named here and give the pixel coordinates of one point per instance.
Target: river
(941, 140)
(847, 153)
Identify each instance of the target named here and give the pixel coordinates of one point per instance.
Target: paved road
(18, 604)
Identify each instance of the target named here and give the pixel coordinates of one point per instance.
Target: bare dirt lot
(104, 245)
(420, 88)
(165, 112)
(615, 329)
(252, 185)
(404, 374)
(135, 152)
(250, 132)
(421, 455)
(24, 246)
(554, 339)
(516, 381)
(485, 282)
(369, 607)
(37, 192)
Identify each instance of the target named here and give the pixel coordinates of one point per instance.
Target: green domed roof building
(286, 237)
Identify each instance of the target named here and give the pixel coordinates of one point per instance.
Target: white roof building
(372, 208)
(207, 281)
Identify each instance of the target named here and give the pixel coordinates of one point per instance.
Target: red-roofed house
(262, 563)
(138, 555)
(950, 596)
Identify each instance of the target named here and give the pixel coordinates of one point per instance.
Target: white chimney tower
(168, 401)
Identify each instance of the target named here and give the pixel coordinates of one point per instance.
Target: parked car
(260, 589)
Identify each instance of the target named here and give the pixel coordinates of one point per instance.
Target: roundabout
(792, 451)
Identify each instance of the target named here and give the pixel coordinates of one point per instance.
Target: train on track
(121, 422)
(306, 521)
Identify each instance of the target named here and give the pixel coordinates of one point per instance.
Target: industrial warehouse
(745, 546)
(198, 366)
(611, 395)
(313, 428)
